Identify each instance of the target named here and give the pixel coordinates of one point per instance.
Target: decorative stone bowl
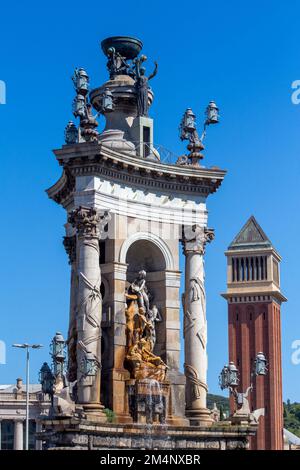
(127, 46)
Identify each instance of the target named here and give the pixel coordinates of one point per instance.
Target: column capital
(70, 247)
(88, 221)
(195, 237)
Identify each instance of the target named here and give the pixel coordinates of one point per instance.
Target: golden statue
(140, 336)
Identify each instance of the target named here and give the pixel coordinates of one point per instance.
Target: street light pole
(27, 400)
(27, 346)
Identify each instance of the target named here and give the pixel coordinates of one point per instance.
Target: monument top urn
(128, 47)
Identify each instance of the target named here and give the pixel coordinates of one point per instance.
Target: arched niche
(154, 240)
(143, 254)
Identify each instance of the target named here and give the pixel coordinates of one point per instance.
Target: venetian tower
(128, 215)
(254, 321)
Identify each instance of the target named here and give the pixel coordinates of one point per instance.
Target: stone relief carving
(193, 376)
(91, 302)
(89, 224)
(190, 320)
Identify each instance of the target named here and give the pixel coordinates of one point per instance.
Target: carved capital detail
(194, 238)
(70, 247)
(86, 220)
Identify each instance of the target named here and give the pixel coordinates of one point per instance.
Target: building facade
(13, 415)
(254, 321)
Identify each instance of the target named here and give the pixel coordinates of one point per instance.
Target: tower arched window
(242, 270)
(262, 268)
(237, 269)
(256, 269)
(252, 268)
(232, 269)
(247, 269)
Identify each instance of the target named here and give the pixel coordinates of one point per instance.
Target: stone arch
(155, 240)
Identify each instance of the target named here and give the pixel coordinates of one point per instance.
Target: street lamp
(27, 347)
(229, 378)
(188, 131)
(58, 354)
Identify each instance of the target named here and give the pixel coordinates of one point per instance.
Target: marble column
(88, 223)
(195, 325)
(18, 434)
(70, 247)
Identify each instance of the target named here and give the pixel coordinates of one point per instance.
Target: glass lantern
(233, 379)
(79, 106)
(90, 365)
(189, 120)
(212, 113)
(223, 378)
(81, 81)
(188, 124)
(107, 104)
(260, 364)
(57, 347)
(71, 133)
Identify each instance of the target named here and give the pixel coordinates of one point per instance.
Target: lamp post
(229, 378)
(27, 347)
(188, 131)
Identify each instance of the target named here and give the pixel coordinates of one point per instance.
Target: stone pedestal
(83, 435)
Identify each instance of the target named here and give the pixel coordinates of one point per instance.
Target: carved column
(87, 222)
(70, 247)
(18, 434)
(195, 328)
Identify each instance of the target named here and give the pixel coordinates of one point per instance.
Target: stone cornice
(252, 251)
(86, 158)
(62, 189)
(258, 295)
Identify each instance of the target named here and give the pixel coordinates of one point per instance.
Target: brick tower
(254, 301)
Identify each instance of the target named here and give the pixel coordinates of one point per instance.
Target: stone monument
(127, 213)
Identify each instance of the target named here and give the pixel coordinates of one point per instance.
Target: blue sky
(244, 55)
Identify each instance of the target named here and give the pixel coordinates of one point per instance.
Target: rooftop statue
(141, 83)
(122, 54)
(116, 64)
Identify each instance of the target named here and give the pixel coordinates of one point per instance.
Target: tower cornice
(260, 295)
(252, 251)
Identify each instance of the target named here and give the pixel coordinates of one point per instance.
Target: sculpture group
(141, 333)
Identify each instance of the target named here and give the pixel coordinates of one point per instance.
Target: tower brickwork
(254, 324)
